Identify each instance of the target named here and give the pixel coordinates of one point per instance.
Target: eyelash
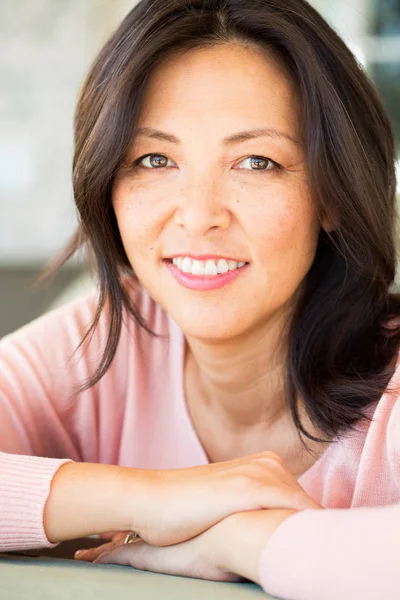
(136, 163)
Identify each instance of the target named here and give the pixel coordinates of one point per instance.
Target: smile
(203, 280)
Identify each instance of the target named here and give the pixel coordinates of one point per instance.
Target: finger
(285, 496)
(128, 554)
(171, 560)
(140, 555)
(304, 502)
(119, 537)
(108, 535)
(91, 554)
(111, 535)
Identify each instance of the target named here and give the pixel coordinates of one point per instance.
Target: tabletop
(52, 573)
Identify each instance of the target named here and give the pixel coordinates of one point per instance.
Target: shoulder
(375, 446)
(384, 414)
(384, 429)
(362, 466)
(47, 346)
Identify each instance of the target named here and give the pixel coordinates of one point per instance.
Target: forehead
(222, 83)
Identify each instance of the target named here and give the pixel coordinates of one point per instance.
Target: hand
(228, 551)
(187, 559)
(176, 505)
(179, 504)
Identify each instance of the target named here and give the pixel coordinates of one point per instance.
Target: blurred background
(46, 47)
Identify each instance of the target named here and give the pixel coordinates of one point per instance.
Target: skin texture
(90, 498)
(174, 505)
(228, 551)
(214, 198)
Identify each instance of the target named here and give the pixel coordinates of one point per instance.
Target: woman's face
(201, 195)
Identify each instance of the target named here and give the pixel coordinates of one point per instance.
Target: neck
(240, 382)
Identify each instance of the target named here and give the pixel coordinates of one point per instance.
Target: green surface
(63, 579)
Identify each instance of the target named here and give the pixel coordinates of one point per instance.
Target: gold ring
(131, 537)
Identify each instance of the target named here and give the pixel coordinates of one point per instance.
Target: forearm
(240, 538)
(88, 498)
(351, 548)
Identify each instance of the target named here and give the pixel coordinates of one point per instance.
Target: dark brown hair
(342, 351)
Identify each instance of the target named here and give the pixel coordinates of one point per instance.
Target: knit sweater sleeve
(24, 488)
(37, 379)
(334, 553)
(353, 551)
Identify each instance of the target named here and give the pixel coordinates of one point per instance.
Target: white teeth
(222, 266)
(197, 268)
(210, 268)
(186, 265)
(206, 267)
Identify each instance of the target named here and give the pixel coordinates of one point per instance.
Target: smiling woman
(234, 174)
(317, 226)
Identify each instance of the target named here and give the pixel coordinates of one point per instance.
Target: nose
(201, 207)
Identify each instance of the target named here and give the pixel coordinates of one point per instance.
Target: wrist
(239, 539)
(86, 499)
(139, 490)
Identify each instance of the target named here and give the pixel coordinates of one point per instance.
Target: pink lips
(204, 282)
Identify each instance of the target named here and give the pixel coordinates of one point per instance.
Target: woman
(234, 176)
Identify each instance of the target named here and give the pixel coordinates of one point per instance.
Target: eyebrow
(236, 138)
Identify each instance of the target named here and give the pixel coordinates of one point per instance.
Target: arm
(24, 486)
(315, 554)
(51, 488)
(40, 430)
(312, 554)
(44, 501)
(86, 499)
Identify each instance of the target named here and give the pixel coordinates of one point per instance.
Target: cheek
(288, 236)
(139, 219)
(137, 236)
(132, 229)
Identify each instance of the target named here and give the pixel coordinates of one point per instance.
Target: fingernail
(79, 553)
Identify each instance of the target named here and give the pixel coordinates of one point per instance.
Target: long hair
(344, 337)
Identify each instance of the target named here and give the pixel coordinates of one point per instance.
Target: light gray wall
(46, 47)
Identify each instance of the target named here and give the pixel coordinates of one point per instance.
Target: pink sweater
(136, 416)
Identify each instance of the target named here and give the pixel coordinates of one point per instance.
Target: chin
(203, 325)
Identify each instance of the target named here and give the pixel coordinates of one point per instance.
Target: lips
(195, 256)
(204, 282)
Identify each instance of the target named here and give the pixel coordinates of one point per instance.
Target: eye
(262, 163)
(154, 161)
(159, 161)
